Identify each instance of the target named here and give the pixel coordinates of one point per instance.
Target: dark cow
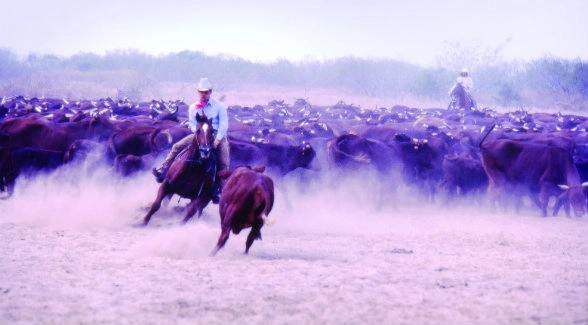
(516, 168)
(26, 161)
(246, 201)
(139, 140)
(421, 152)
(128, 164)
(46, 135)
(354, 151)
(563, 199)
(355, 155)
(88, 156)
(82, 150)
(278, 159)
(41, 137)
(423, 160)
(463, 175)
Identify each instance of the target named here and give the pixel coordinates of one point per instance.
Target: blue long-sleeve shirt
(213, 109)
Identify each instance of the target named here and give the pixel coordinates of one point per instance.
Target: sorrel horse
(192, 175)
(460, 98)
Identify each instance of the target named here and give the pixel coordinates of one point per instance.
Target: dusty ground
(71, 255)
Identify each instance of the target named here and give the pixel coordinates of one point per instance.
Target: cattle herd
(443, 154)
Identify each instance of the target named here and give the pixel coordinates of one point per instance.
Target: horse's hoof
(141, 225)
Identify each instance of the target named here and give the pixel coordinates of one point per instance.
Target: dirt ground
(71, 255)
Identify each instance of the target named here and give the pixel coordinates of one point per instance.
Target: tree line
(547, 81)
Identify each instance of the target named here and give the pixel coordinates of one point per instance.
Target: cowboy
(467, 83)
(216, 110)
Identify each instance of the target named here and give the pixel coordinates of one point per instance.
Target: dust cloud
(306, 201)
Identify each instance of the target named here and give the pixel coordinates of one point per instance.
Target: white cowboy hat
(204, 85)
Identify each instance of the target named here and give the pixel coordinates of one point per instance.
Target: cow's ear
(259, 169)
(224, 173)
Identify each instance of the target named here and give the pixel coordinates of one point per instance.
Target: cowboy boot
(160, 172)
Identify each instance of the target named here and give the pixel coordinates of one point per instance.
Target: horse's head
(204, 136)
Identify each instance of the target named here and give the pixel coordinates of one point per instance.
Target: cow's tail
(486, 135)
(265, 196)
(267, 220)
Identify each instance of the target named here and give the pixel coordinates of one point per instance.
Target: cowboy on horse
(460, 92)
(215, 110)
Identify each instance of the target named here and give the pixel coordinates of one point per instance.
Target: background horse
(192, 175)
(460, 98)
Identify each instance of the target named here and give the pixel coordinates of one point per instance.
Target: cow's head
(306, 154)
(576, 197)
(101, 127)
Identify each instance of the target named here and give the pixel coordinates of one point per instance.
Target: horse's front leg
(194, 208)
(161, 193)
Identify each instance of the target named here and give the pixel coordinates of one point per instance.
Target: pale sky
(416, 31)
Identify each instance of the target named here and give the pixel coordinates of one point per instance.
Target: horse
(192, 174)
(460, 98)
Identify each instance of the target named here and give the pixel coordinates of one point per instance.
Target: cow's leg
(562, 200)
(516, 202)
(226, 218)
(557, 206)
(544, 201)
(10, 183)
(222, 239)
(161, 193)
(254, 234)
(494, 197)
(567, 208)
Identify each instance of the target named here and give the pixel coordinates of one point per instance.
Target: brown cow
(537, 170)
(246, 201)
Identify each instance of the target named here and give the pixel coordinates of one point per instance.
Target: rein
(211, 165)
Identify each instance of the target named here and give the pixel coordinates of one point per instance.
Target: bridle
(205, 149)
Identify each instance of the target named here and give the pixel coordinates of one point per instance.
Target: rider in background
(467, 83)
(216, 110)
